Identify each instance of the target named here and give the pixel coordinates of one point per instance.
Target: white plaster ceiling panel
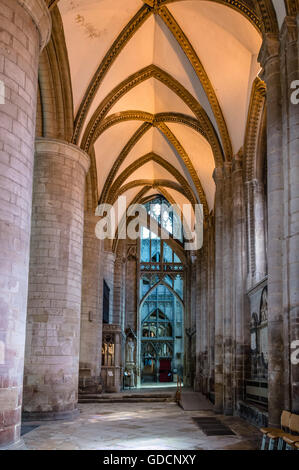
(141, 97)
(280, 9)
(108, 147)
(151, 171)
(90, 27)
(142, 147)
(137, 54)
(169, 56)
(201, 156)
(178, 197)
(120, 208)
(167, 101)
(162, 147)
(152, 192)
(151, 96)
(225, 43)
(154, 141)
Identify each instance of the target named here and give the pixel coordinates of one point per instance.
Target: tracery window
(156, 254)
(157, 325)
(161, 293)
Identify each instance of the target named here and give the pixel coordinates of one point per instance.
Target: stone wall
(25, 29)
(91, 309)
(55, 280)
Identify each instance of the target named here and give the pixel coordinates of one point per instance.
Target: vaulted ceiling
(161, 91)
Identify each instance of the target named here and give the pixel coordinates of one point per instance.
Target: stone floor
(134, 426)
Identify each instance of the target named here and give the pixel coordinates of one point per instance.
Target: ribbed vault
(164, 91)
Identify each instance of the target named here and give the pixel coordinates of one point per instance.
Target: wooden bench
(292, 438)
(285, 437)
(275, 432)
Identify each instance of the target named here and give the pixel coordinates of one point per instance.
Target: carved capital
(218, 175)
(237, 161)
(289, 31)
(292, 7)
(39, 13)
(64, 149)
(270, 49)
(227, 169)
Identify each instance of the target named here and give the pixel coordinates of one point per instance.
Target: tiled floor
(152, 426)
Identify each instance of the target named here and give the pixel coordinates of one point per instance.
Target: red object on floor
(165, 370)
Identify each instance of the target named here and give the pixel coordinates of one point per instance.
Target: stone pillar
(241, 346)
(227, 256)
(109, 260)
(289, 74)
(211, 305)
(203, 307)
(119, 287)
(259, 231)
(25, 30)
(223, 291)
(256, 232)
(270, 60)
(55, 281)
(131, 287)
(92, 308)
(219, 399)
(197, 288)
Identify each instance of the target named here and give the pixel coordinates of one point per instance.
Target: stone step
(107, 396)
(133, 399)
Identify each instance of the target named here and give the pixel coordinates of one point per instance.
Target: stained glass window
(161, 293)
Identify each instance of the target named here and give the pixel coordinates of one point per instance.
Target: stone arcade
(165, 102)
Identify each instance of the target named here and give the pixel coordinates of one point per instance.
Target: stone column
(25, 30)
(92, 308)
(55, 281)
(211, 305)
(119, 286)
(198, 325)
(227, 256)
(223, 291)
(259, 231)
(109, 260)
(290, 73)
(256, 236)
(270, 60)
(203, 327)
(131, 287)
(241, 344)
(219, 400)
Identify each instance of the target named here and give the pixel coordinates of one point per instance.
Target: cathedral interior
(163, 104)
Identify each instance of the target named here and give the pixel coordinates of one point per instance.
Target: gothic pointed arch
(193, 58)
(142, 116)
(152, 71)
(56, 100)
(254, 122)
(123, 38)
(154, 287)
(142, 161)
(174, 244)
